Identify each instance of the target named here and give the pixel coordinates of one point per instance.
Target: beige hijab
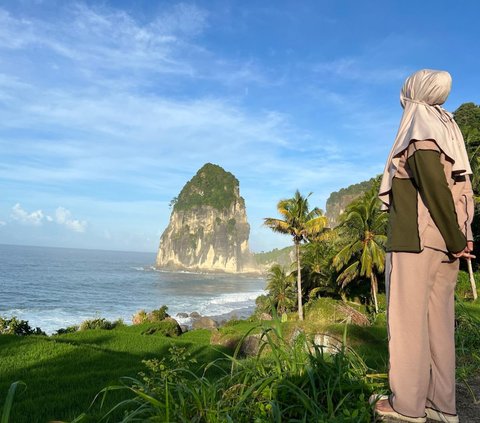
(424, 119)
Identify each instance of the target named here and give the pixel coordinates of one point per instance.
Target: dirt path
(467, 410)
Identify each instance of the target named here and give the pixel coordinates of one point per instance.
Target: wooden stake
(472, 279)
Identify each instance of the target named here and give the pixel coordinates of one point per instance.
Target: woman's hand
(466, 253)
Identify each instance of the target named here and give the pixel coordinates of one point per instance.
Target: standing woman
(426, 189)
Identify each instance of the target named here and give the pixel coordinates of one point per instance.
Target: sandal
(438, 416)
(392, 413)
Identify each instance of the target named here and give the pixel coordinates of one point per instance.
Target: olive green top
(427, 179)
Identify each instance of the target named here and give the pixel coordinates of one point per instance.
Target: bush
(68, 329)
(263, 305)
(100, 323)
(15, 326)
(167, 327)
(157, 315)
(139, 317)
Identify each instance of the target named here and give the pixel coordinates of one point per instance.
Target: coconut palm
(301, 223)
(364, 224)
(281, 288)
(318, 274)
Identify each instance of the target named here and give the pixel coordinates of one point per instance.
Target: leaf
(7, 407)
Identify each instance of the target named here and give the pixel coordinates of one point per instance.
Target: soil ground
(468, 410)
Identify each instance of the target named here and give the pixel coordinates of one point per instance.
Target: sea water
(54, 288)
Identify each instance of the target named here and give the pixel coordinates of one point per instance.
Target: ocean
(54, 288)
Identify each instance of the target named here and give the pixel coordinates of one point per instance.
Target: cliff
(208, 228)
(339, 200)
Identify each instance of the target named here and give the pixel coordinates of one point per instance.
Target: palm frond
(277, 225)
(349, 274)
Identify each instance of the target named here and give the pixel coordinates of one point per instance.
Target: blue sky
(107, 108)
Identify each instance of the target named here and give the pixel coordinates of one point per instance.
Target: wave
(238, 297)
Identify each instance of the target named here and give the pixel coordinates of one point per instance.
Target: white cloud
(34, 218)
(101, 38)
(2, 223)
(63, 216)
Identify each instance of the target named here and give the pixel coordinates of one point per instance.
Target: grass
(63, 373)
(286, 382)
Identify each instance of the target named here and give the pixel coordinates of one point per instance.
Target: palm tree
(301, 223)
(364, 224)
(281, 288)
(318, 274)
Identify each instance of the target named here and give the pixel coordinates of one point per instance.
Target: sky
(107, 108)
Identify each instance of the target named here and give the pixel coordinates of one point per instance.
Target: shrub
(167, 327)
(68, 329)
(100, 323)
(158, 315)
(139, 317)
(15, 326)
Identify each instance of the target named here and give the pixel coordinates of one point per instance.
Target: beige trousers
(420, 295)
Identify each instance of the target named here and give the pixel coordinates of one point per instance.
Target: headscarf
(423, 118)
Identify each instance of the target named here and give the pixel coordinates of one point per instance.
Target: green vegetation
(468, 118)
(302, 224)
(63, 373)
(320, 369)
(289, 380)
(364, 255)
(281, 287)
(352, 191)
(346, 262)
(100, 323)
(276, 256)
(359, 189)
(14, 326)
(211, 186)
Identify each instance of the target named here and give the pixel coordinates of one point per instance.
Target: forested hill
(339, 200)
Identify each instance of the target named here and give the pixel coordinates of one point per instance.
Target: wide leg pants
(420, 298)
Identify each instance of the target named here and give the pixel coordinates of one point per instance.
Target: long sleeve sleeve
(429, 176)
(467, 207)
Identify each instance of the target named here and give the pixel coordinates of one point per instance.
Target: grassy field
(64, 373)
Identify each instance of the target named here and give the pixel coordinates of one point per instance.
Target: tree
(318, 273)
(468, 118)
(364, 224)
(301, 223)
(281, 288)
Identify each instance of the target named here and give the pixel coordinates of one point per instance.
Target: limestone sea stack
(208, 228)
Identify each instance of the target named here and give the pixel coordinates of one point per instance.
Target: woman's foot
(383, 409)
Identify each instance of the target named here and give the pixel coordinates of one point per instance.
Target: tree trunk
(299, 282)
(374, 290)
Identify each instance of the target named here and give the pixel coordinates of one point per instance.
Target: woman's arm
(429, 176)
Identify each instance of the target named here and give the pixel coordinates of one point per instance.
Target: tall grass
(7, 407)
(467, 340)
(293, 381)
